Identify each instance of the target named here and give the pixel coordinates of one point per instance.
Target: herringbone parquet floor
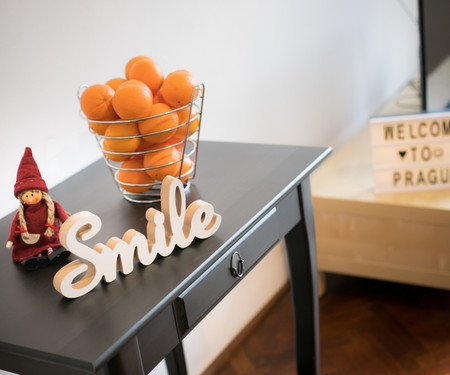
(368, 327)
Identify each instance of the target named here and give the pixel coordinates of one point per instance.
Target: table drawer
(206, 292)
(157, 338)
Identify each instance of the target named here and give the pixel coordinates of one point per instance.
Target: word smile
(175, 225)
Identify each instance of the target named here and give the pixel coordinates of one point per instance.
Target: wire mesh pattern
(186, 146)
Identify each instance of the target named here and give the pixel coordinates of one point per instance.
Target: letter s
(83, 225)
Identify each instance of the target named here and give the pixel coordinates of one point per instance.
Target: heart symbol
(402, 153)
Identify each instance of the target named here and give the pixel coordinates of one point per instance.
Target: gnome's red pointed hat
(28, 175)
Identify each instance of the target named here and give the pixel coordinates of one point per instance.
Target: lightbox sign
(411, 152)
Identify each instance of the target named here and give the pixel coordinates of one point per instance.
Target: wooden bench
(402, 237)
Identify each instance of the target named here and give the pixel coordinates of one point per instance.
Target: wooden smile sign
(174, 225)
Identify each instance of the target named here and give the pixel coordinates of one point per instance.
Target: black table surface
(242, 181)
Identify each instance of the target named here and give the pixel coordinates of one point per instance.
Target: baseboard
(245, 332)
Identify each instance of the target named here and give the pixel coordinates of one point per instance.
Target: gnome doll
(34, 235)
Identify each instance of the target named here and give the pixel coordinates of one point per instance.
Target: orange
(157, 98)
(149, 72)
(134, 177)
(96, 103)
(178, 88)
(159, 158)
(178, 142)
(144, 146)
(130, 64)
(159, 124)
(186, 171)
(123, 145)
(99, 128)
(133, 100)
(115, 82)
(183, 115)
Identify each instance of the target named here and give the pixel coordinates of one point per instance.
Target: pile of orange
(155, 119)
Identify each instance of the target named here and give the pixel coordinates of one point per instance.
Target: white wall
(288, 71)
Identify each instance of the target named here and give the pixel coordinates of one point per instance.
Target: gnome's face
(31, 196)
(28, 175)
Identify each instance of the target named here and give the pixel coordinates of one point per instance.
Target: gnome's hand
(9, 244)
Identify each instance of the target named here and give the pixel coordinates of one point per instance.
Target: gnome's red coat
(36, 218)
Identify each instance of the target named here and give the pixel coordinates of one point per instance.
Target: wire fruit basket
(152, 161)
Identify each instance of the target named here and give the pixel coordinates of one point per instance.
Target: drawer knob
(237, 265)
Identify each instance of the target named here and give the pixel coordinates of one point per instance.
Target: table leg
(321, 284)
(301, 250)
(175, 361)
(128, 361)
